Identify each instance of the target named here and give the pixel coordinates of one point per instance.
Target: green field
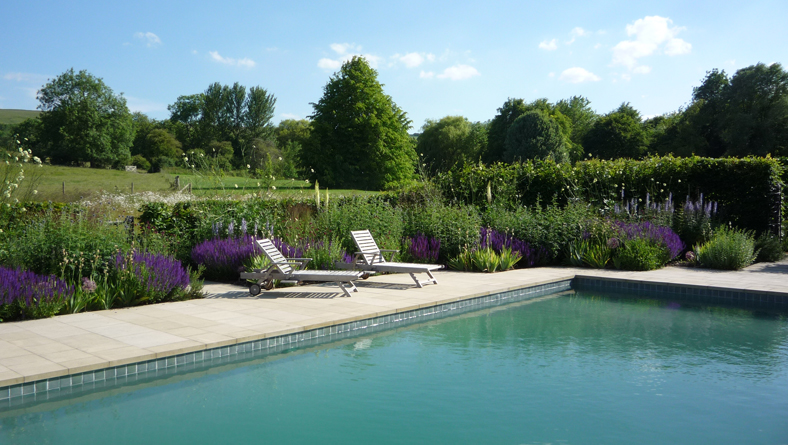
(16, 116)
(79, 182)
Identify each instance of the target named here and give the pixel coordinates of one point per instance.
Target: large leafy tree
(755, 121)
(535, 135)
(578, 110)
(359, 135)
(617, 135)
(83, 120)
(450, 141)
(499, 126)
(225, 113)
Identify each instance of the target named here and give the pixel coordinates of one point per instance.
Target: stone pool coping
(42, 350)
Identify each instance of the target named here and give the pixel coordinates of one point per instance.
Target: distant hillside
(16, 116)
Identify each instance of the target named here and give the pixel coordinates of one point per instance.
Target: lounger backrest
(367, 246)
(273, 254)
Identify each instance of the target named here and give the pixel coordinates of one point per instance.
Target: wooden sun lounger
(282, 268)
(370, 258)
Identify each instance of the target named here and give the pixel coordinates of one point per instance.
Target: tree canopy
(450, 141)
(82, 120)
(535, 135)
(617, 135)
(359, 136)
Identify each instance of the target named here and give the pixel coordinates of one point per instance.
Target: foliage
(224, 258)
(12, 175)
(728, 249)
(421, 249)
(769, 248)
(383, 220)
(534, 135)
(27, 295)
(455, 227)
(453, 140)
(84, 121)
(658, 235)
(695, 221)
(359, 135)
(140, 162)
(742, 187)
(617, 135)
(64, 244)
(500, 242)
(589, 252)
(549, 229)
(139, 277)
(639, 254)
(485, 260)
(578, 110)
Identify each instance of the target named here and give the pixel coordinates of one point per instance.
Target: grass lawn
(13, 117)
(83, 182)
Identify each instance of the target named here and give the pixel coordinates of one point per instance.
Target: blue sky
(434, 58)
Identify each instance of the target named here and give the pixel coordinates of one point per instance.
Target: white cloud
(459, 72)
(412, 60)
(290, 116)
(652, 33)
(626, 77)
(548, 46)
(150, 38)
(144, 105)
(329, 64)
(26, 77)
(347, 51)
(597, 46)
(642, 69)
(551, 74)
(245, 62)
(426, 74)
(577, 32)
(578, 75)
(344, 48)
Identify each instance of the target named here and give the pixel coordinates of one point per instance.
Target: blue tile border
(15, 396)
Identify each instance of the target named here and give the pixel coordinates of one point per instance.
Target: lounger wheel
(254, 289)
(365, 275)
(268, 284)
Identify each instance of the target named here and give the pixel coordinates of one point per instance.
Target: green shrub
(140, 162)
(769, 248)
(384, 221)
(552, 227)
(485, 260)
(639, 254)
(743, 187)
(64, 245)
(455, 227)
(728, 249)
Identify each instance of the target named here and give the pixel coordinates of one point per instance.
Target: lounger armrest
(301, 261)
(375, 255)
(391, 257)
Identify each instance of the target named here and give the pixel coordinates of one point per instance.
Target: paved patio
(68, 344)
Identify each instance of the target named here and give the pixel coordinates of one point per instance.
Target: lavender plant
(25, 294)
(422, 249)
(223, 258)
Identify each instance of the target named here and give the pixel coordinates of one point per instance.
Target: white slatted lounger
(370, 258)
(281, 268)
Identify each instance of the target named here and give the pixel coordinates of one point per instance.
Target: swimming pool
(575, 368)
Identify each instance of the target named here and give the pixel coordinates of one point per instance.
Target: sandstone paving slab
(229, 314)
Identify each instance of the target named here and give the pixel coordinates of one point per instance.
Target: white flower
(280, 158)
(312, 169)
(248, 166)
(186, 159)
(679, 180)
(236, 185)
(258, 184)
(35, 192)
(202, 155)
(273, 187)
(273, 178)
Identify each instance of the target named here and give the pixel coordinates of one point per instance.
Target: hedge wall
(744, 188)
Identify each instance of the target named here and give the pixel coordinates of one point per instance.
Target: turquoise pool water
(572, 369)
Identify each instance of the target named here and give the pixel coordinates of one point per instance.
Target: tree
(450, 141)
(755, 121)
(617, 135)
(291, 130)
(499, 126)
(185, 114)
(359, 135)
(535, 135)
(578, 110)
(84, 121)
(162, 143)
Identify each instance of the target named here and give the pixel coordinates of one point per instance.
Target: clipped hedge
(745, 188)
